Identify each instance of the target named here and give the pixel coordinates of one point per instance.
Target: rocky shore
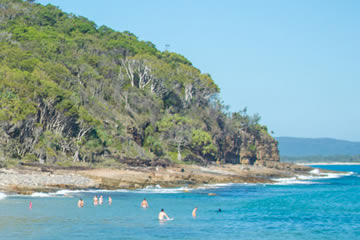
(27, 180)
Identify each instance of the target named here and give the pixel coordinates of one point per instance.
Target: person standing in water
(194, 212)
(80, 203)
(110, 200)
(30, 205)
(163, 215)
(101, 200)
(144, 203)
(95, 200)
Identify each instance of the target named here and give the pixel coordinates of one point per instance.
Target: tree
(138, 72)
(177, 130)
(201, 141)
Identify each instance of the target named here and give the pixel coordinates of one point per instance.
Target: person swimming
(110, 200)
(101, 200)
(219, 210)
(163, 215)
(30, 205)
(194, 212)
(144, 203)
(80, 203)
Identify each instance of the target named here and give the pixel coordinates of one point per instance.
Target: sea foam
(159, 189)
(314, 174)
(2, 195)
(41, 194)
(66, 192)
(291, 181)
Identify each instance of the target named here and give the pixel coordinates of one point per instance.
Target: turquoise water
(315, 209)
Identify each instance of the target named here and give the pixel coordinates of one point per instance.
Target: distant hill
(295, 147)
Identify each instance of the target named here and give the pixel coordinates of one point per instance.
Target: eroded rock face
(194, 159)
(245, 148)
(139, 162)
(282, 166)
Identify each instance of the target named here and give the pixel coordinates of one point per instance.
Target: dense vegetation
(71, 91)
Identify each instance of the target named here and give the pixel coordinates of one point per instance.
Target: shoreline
(157, 189)
(31, 180)
(325, 163)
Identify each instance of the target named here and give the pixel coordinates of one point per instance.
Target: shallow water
(325, 209)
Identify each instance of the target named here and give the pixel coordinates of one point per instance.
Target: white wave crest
(314, 174)
(66, 192)
(218, 185)
(41, 194)
(148, 189)
(291, 181)
(315, 171)
(2, 195)
(159, 189)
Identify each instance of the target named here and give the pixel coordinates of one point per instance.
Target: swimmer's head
(162, 209)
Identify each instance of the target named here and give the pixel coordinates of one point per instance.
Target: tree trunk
(179, 153)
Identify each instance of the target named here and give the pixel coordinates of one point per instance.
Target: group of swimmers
(100, 200)
(96, 200)
(144, 204)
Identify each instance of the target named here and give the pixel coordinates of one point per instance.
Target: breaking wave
(2, 195)
(159, 189)
(66, 192)
(41, 194)
(149, 189)
(315, 174)
(291, 181)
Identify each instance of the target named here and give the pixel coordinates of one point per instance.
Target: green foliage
(57, 67)
(48, 15)
(171, 121)
(252, 148)
(13, 95)
(175, 58)
(202, 142)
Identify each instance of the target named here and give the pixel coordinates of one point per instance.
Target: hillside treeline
(72, 91)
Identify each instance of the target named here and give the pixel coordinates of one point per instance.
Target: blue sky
(296, 63)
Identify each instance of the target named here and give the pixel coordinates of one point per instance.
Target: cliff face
(246, 148)
(74, 92)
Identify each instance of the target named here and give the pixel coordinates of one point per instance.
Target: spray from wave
(159, 189)
(291, 181)
(2, 195)
(41, 194)
(148, 189)
(315, 174)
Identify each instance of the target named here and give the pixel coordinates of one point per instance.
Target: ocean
(302, 208)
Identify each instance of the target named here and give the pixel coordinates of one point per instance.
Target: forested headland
(73, 93)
